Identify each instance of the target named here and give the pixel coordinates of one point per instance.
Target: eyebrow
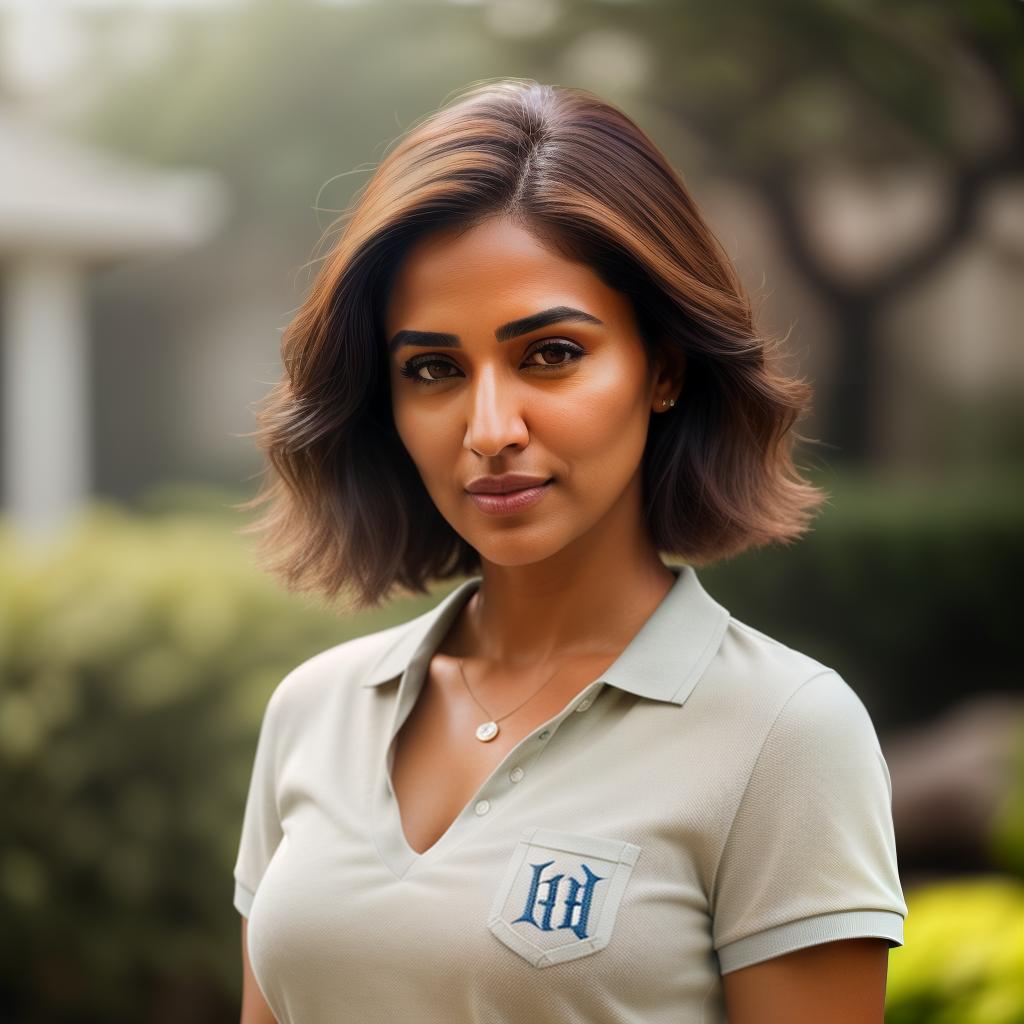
(513, 329)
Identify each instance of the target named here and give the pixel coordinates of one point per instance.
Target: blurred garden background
(166, 171)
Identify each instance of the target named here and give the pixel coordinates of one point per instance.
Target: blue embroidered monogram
(550, 900)
(560, 894)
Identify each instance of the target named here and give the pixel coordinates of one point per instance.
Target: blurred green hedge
(136, 659)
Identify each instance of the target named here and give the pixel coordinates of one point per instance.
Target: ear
(668, 372)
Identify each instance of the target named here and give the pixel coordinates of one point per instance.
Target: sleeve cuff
(810, 931)
(243, 898)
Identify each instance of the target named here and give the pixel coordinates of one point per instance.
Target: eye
(412, 368)
(574, 352)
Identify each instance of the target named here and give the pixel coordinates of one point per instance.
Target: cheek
(408, 429)
(425, 435)
(605, 420)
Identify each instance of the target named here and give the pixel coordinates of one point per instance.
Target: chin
(513, 550)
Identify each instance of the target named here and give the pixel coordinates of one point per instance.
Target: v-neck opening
(392, 842)
(389, 834)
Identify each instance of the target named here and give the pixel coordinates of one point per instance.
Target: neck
(580, 602)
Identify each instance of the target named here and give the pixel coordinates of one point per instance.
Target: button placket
(392, 844)
(518, 773)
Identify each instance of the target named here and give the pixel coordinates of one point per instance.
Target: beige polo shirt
(716, 798)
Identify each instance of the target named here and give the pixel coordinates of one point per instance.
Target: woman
(577, 789)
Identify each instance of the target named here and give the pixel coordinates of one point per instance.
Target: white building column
(46, 428)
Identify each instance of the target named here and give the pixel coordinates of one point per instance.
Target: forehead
(496, 271)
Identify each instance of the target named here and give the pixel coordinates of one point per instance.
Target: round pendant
(487, 731)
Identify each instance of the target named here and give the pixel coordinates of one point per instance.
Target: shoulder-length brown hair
(346, 507)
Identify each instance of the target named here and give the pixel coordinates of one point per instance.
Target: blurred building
(66, 209)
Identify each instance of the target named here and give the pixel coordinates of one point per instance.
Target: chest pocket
(560, 894)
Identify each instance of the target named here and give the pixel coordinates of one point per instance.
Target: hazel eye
(574, 352)
(412, 368)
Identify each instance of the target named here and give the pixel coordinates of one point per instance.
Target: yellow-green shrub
(962, 961)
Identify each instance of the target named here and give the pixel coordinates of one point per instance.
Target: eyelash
(411, 368)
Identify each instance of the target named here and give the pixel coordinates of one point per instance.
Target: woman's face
(506, 358)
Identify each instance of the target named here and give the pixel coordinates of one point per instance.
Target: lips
(510, 490)
(510, 502)
(506, 483)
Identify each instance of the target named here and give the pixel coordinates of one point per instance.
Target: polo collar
(663, 661)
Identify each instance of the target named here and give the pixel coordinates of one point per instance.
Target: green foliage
(962, 961)
(136, 660)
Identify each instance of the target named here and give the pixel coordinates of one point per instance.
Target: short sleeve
(261, 824)
(811, 853)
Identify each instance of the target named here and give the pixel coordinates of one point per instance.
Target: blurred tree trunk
(777, 91)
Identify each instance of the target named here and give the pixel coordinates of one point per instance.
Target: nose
(494, 418)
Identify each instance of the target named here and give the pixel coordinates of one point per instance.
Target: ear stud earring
(668, 401)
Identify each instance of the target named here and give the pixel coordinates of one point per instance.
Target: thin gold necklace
(486, 731)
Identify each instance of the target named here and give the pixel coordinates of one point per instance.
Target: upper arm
(842, 982)
(810, 857)
(254, 1007)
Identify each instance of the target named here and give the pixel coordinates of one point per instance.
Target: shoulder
(760, 686)
(774, 664)
(748, 660)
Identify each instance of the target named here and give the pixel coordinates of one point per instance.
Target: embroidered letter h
(578, 897)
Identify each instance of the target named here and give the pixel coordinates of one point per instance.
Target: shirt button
(544, 735)
(516, 774)
(482, 807)
(584, 704)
